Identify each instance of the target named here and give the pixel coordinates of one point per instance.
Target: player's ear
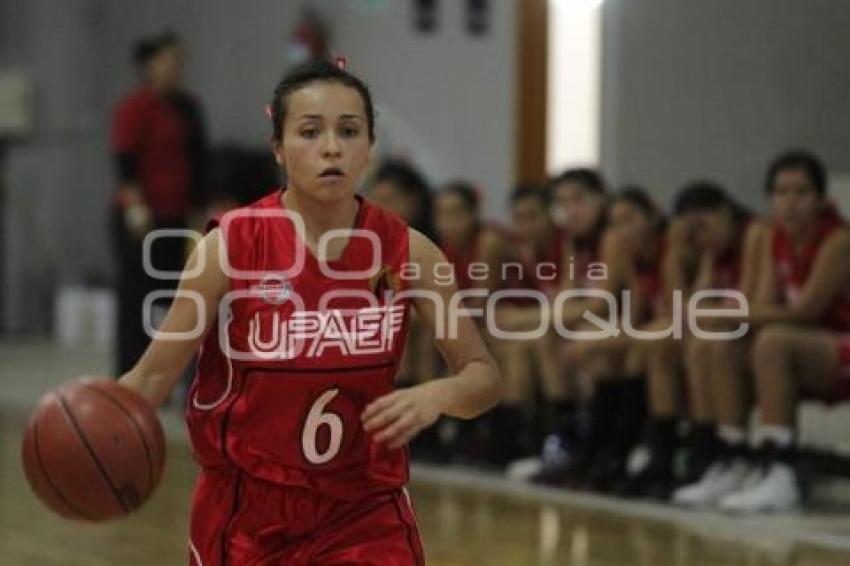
(277, 150)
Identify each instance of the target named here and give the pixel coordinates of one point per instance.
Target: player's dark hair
(588, 178)
(147, 48)
(307, 74)
(407, 179)
(707, 195)
(466, 192)
(639, 198)
(801, 160)
(530, 190)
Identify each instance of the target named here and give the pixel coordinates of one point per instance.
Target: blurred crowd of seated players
(645, 412)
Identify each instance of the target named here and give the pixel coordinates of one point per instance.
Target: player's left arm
(752, 258)
(475, 383)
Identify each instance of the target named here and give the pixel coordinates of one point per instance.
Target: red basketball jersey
(794, 268)
(462, 259)
(727, 266)
(282, 383)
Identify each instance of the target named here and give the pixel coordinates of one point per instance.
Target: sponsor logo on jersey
(311, 334)
(273, 289)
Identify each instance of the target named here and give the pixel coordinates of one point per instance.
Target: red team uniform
(728, 267)
(288, 474)
(793, 271)
(462, 260)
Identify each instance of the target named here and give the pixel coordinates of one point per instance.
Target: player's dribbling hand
(394, 419)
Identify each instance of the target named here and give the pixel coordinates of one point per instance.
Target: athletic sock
(732, 443)
(775, 445)
(781, 436)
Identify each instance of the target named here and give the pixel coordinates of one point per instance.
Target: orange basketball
(93, 450)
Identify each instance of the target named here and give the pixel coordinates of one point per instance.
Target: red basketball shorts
(239, 520)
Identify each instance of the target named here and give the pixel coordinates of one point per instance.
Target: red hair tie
(341, 62)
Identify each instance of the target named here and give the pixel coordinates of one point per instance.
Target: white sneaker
(720, 480)
(776, 492)
(524, 469)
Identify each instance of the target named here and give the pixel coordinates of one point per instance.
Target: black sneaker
(655, 481)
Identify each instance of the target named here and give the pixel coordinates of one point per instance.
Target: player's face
(576, 208)
(630, 221)
(794, 200)
(325, 148)
(530, 220)
(454, 221)
(712, 229)
(166, 67)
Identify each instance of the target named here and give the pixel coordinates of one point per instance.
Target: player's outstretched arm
(160, 367)
(475, 383)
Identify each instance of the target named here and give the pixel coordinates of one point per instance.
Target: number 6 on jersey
(316, 418)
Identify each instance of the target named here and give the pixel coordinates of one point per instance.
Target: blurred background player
(577, 211)
(476, 250)
(159, 149)
(530, 265)
(610, 370)
(713, 243)
(803, 282)
(579, 200)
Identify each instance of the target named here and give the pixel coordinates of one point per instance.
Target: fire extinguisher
(309, 39)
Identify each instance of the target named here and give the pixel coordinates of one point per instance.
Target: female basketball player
(292, 414)
(476, 249)
(712, 243)
(612, 370)
(577, 203)
(801, 305)
(531, 264)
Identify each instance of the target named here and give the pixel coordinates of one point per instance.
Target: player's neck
(320, 217)
(802, 235)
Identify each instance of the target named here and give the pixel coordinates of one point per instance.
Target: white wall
(446, 98)
(697, 88)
